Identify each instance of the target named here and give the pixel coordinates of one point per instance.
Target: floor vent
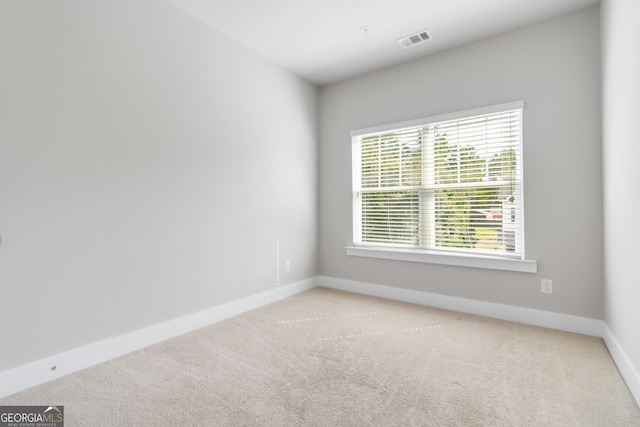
(414, 39)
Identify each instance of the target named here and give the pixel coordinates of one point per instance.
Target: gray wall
(554, 67)
(621, 150)
(147, 166)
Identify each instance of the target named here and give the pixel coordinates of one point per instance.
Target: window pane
(473, 219)
(391, 160)
(391, 217)
(454, 184)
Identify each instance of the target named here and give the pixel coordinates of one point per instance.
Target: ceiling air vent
(414, 39)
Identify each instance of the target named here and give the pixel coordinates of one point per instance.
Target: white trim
(458, 260)
(29, 375)
(563, 322)
(529, 316)
(32, 374)
(389, 127)
(628, 371)
(415, 131)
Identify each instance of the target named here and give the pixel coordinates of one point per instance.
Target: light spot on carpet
(344, 337)
(308, 319)
(420, 328)
(372, 313)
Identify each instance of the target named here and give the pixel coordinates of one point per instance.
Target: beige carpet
(330, 358)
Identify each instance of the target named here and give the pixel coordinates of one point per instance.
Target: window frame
(471, 258)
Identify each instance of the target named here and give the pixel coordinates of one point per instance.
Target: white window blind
(448, 183)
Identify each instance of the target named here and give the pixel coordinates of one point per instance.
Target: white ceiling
(322, 40)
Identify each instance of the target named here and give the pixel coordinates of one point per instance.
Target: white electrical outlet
(546, 286)
(287, 265)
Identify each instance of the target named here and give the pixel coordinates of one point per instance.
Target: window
(450, 184)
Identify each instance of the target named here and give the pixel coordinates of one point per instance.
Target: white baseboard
(32, 374)
(628, 371)
(29, 375)
(563, 322)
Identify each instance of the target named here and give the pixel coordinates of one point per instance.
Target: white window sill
(459, 260)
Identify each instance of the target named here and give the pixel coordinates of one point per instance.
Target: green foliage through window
(448, 185)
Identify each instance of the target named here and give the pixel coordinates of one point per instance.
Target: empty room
(288, 213)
